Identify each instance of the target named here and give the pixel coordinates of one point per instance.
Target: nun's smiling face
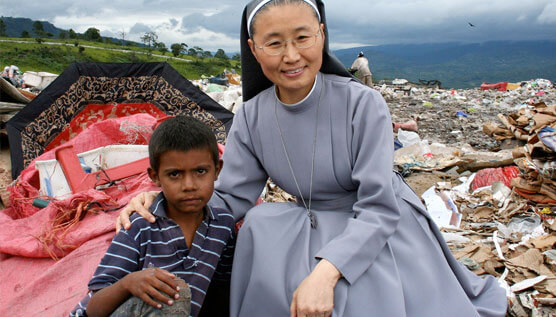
(294, 70)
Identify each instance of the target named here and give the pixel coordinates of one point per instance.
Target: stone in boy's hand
(153, 286)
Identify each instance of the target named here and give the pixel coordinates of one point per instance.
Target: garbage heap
(491, 197)
(536, 125)
(456, 116)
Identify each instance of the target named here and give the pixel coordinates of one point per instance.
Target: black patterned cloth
(82, 84)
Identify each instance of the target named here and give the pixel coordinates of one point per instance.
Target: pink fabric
(33, 283)
(45, 287)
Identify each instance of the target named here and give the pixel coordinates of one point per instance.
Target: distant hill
(14, 27)
(459, 65)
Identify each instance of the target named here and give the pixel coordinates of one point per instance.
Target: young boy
(188, 239)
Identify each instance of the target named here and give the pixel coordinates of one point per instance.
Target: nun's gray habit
(369, 223)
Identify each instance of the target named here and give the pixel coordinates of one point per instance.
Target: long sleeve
(376, 210)
(121, 258)
(242, 178)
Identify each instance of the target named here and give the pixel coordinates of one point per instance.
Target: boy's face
(187, 179)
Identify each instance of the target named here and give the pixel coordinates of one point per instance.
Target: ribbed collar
(312, 97)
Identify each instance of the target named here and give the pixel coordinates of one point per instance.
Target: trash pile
(224, 89)
(19, 87)
(534, 124)
(456, 116)
(494, 198)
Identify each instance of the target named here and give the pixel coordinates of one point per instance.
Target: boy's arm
(147, 284)
(120, 274)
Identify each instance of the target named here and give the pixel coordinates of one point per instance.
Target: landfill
(483, 160)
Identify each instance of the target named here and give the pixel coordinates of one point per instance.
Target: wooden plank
(10, 106)
(6, 117)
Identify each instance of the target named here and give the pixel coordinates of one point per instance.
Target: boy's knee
(136, 307)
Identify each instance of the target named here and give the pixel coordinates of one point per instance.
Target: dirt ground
(437, 112)
(5, 174)
(422, 181)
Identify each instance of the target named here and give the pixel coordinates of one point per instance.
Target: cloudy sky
(213, 24)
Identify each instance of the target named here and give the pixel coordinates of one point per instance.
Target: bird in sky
(471, 24)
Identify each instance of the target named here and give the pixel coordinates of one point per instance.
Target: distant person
(146, 267)
(361, 65)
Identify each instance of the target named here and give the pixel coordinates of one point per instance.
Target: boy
(188, 239)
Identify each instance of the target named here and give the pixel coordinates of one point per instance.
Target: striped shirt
(162, 244)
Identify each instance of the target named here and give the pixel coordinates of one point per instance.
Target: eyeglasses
(277, 47)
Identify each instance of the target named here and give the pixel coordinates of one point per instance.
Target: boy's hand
(139, 204)
(152, 285)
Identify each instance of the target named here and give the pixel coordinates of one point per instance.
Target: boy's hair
(181, 133)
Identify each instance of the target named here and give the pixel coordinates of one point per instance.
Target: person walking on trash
(358, 242)
(361, 66)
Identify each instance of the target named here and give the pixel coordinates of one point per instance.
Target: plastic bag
(408, 138)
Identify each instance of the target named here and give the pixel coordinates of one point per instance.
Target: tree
(38, 28)
(72, 34)
(176, 49)
(221, 54)
(49, 35)
(63, 35)
(25, 34)
(206, 54)
(198, 50)
(150, 39)
(161, 47)
(236, 57)
(192, 52)
(2, 28)
(122, 35)
(93, 34)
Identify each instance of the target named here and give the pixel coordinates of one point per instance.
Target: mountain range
(460, 65)
(14, 27)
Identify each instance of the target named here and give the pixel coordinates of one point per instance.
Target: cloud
(226, 22)
(216, 23)
(139, 28)
(548, 15)
(384, 22)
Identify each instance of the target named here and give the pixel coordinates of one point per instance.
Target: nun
(358, 241)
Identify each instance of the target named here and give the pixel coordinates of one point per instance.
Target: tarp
(497, 86)
(82, 85)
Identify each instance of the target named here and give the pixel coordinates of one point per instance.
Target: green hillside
(55, 56)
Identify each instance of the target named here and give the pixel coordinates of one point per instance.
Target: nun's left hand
(315, 295)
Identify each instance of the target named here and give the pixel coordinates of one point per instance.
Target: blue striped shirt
(163, 245)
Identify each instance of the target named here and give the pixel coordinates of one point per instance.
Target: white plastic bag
(408, 138)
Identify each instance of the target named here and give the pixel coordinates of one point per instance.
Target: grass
(33, 56)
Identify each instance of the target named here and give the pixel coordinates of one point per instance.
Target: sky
(215, 24)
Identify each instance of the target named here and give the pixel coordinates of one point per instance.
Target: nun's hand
(139, 204)
(315, 295)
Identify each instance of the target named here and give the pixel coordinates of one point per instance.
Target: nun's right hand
(139, 204)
